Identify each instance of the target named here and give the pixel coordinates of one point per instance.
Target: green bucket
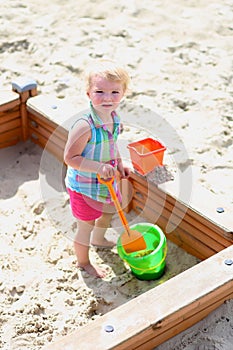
(148, 264)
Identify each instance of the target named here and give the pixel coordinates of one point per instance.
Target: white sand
(180, 58)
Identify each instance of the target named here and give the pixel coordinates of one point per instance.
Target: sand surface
(179, 56)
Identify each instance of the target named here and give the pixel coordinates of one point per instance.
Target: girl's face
(105, 95)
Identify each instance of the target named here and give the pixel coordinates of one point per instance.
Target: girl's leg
(81, 247)
(101, 225)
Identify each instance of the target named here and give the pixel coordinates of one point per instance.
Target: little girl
(91, 149)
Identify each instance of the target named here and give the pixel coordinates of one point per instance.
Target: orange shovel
(131, 240)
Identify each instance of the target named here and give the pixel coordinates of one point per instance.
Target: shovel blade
(133, 242)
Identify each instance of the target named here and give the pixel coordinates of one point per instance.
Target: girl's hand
(106, 171)
(127, 171)
(124, 172)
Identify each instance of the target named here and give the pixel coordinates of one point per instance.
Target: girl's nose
(107, 97)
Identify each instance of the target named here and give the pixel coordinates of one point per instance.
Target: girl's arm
(124, 171)
(77, 140)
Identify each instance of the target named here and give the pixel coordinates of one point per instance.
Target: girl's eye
(115, 92)
(99, 91)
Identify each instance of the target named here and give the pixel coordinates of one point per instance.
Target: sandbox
(153, 317)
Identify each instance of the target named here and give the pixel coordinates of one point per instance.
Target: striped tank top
(102, 147)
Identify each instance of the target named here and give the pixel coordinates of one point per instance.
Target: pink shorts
(83, 207)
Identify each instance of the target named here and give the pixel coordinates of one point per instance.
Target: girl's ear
(88, 94)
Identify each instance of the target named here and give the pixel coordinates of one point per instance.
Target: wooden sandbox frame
(166, 310)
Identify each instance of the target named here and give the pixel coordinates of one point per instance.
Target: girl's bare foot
(103, 244)
(93, 270)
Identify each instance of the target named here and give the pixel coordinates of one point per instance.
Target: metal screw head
(109, 328)
(228, 262)
(220, 210)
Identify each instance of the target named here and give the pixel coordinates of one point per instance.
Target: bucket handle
(154, 267)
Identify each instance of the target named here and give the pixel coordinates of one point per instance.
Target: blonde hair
(107, 69)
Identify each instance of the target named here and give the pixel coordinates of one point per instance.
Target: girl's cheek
(96, 98)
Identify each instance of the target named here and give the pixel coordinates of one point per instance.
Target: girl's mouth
(107, 105)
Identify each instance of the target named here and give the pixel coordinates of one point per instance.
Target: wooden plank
(10, 137)
(185, 238)
(179, 235)
(205, 202)
(54, 137)
(8, 100)
(40, 119)
(154, 190)
(181, 324)
(10, 115)
(12, 124)
(46, 133)
(57, 111)
(9, 111)
(9, 143)
(48, 125)
(221, 223)
(44, 128)
(201, 289)
(33, 92)
(47, 128)
(127, 195)
(183, 219)
(10, 134)
(43, 142)
(178, 322)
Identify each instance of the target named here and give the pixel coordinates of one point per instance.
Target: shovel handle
(106, 182)
(109, 184)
